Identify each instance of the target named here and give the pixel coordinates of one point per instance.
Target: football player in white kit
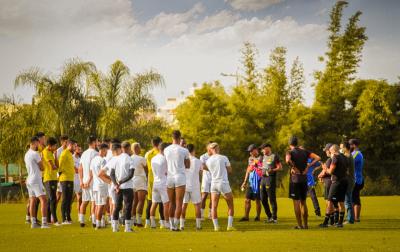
(77, 187)
(139, 184)
(100, 187)
(86, 181)
(192, 192)
(34, 183)
(219, 166)
(205, 183)
(178, 160)
(159, 190)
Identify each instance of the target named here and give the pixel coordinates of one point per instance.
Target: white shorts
(77, 186)
(139, 184)
(220, 188)
(176, 181)
(59, 189)
(111, 194)
(160, 195)
(193, 196)
(35, 190)
(87, 194)
(100, 197)
(206, 184)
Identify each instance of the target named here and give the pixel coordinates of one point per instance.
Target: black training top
(299, 158)
(341, 162)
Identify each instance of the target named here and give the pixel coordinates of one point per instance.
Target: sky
(187, 41)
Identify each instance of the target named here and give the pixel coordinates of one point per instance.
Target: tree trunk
(6, 172)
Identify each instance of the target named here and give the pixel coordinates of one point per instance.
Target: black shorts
(251, 195)
(298, 191)
(327, 186)
(337, 191)
(356, 194)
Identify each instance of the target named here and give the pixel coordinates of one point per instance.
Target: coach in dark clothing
(297, 158)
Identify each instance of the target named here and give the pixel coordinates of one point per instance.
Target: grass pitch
(379, 230)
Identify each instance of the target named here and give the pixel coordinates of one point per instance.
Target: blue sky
(187, 41)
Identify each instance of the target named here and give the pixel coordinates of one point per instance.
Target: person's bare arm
(80, 172)
(331, 168)
(278, 167)
(146, 170)
(246, 177)
(53, 165)
(229, 169)
(187, 163)
(103, 176)
(40, 163)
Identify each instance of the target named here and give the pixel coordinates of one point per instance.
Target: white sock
(27, 217)
(128, 225)
(153, 221)
(44, 220)
(147, 222)
(81, 218)
(202, 213)
(133, 218)
(33, 220)
(198, 222)
(176, 222)
(171, 222)
(139, 219)
(215, 222)
(102, 222)
(166, 224)
(230, 221)
(182, 222)
(98, 224)
(93, 219)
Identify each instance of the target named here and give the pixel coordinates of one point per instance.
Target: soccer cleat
(298, 227)
(139, 225)
(257, 219)
(56, 224)
(216, 229)
(323, 225)
(269, 220)
(230, 229)
(66, 223)
(44, 226)
(339, 225)
(244, 219)
(198, 228)
(35, 225)
(348, 222)
(182, 228)
(82, 225)
(27, 221)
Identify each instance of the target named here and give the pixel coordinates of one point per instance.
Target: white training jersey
(76, 161)
(110, 164)
(109, 155)
(175, 156)
(58, 152)
(217, 164)
(160, 169)
(86, 158)
(97, 163)
(140, 164)
(192, 175)
(32, 159)
(122, 169)
(203, 159)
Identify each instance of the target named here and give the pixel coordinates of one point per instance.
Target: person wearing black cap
(297, 158)
(251, 185)
(270, 165)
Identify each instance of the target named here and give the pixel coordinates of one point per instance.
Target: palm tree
(62, 97)
(122, 97)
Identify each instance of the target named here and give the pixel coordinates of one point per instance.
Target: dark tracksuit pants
(268, 191)
(51, 191)
(125, 196)
(67, 197)
(314, 199)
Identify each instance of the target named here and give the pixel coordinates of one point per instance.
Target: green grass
(379, 230)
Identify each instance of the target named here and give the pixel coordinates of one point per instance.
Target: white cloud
(252, 5)
(173, 24)
(219, 20)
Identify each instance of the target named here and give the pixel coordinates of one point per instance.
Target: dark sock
(341, 217)
(327, 217)
(332, 219)
(336, 216)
